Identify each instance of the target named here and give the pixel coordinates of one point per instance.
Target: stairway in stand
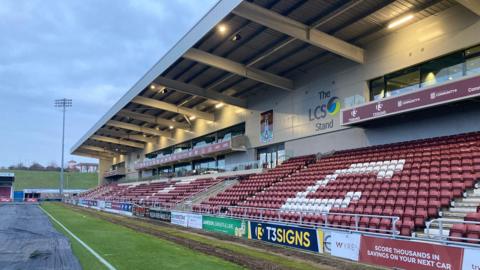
(458, 210)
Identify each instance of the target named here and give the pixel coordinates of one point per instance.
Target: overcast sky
(91, 51)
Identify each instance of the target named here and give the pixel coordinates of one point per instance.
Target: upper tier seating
(411, 180)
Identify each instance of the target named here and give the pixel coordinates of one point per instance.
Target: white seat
(345, 203)
(357, 195)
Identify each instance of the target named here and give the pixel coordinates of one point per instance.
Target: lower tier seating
(411, 180)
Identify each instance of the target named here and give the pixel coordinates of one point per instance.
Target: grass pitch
(41, 179)
(125, 248)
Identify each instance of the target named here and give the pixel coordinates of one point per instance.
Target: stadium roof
(237, 48)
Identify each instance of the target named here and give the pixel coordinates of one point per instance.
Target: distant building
(82, 167)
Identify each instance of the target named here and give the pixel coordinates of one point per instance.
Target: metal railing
(447, 239)
(303, 217)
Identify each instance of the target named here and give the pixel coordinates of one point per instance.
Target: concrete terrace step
(434, 233)
(466, 204)
(449, 214)
(202, 196)
(445, 224)
(469, 199)
(462, 209)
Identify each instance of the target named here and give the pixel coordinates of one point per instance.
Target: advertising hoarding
(471, 259)
(235, 227)
(285, 235)
(410, 255)
(345, 245)
(160, 214)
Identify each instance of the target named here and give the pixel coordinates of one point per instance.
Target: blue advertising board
(290, 236)
(18, 196)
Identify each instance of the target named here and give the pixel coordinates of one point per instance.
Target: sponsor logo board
(290, 236)
(186, 220)
(409, 255)
(160, 214)
(471, 259)
(235, 227)
(194, 221)
(179, 218)
(462, 89)
(345, 245)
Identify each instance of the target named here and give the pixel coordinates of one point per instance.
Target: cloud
(92, 51)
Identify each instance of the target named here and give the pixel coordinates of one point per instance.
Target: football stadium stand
(411, 180)
(6, 186)
(358, 116)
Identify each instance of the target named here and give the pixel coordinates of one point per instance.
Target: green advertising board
(229, 226)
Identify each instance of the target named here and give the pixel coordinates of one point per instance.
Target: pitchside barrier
(389, 250)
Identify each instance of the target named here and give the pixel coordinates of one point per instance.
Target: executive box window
(402, 82)
(377, 89)
(440, 70)
(472, 65)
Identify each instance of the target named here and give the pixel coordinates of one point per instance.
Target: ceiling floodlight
(222, 28)
(400, 21)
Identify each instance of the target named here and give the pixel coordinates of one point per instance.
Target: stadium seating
(238, 193)
(5, 192)
(411, 180)
(166, 193)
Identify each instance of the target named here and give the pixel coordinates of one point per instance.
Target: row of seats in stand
(182, 190)
(237, 194)
(5, 192)
(102, 192)
(411, 180)
(148, 193)
(143, 192)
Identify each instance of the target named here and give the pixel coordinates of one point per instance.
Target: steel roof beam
(117, 141)
(97, 149)
(93, 154)
(472, 5)
(125, 136)
(200, 92)
(162, 105)
(239, 69)
(299, 31)
(152, 119)
(133, 127)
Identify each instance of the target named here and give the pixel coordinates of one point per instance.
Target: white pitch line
(102, 260)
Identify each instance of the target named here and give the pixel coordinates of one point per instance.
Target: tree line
(35, 166)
